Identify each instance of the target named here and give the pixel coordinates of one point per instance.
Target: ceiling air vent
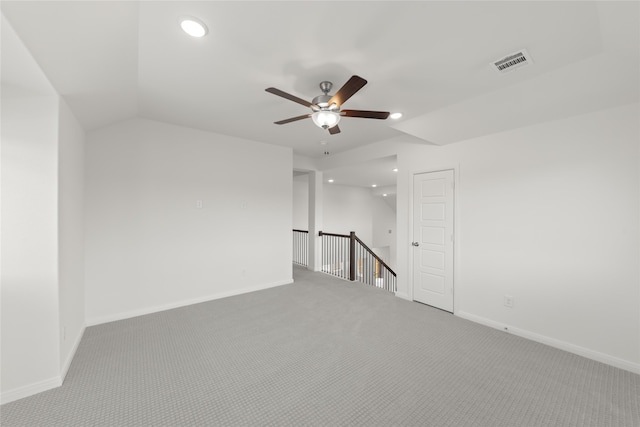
(512, 61)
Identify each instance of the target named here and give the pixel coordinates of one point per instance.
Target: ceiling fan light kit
(325, 119)
(325, 108)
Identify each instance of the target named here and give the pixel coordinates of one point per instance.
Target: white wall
(71, 234)
(345, 208)
(547, 214)
(384, 228)
(301, 202)
(147, 245)
(30, 353)
(348, 209)
(30, 348)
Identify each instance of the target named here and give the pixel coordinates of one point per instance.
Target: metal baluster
(330, 255)
(345, 246)
(339, 264)
(367, 268)
(358, 263)
(323, 242)
(329, 246)
(341, 257)
(336, 255)
(333, 257)
(344, 258)
(336, 264)
(327, 241)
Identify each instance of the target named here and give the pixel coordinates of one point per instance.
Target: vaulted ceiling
(430, 60)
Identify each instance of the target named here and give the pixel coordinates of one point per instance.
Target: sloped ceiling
(429, 60)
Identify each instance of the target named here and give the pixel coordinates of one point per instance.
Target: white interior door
(433, 239)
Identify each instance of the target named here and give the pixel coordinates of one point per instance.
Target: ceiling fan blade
(288, 96)
(354, 84)
(293, 119)
(334, 130)
(365, 114)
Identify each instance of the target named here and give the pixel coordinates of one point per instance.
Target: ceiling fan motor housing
(321, 101)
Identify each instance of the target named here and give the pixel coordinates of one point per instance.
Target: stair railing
(348, 257)
(301, 247)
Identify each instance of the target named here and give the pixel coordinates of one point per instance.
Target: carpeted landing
(324, 352)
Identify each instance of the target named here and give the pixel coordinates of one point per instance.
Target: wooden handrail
(375, 256)
(340, 250)
(322, 233)
(349, 236)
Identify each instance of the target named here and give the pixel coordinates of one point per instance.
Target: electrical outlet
(198, 204)
(508, 301)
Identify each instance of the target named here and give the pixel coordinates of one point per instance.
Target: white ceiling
(377, 172)
(114, 60)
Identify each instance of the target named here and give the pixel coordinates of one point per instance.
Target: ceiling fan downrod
(325, 87)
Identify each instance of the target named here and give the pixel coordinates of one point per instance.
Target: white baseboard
(30, 389)
(39, 387)
(72, 353)
(552, 342)
(149, 310)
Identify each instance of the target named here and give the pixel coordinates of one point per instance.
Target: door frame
(456, 227)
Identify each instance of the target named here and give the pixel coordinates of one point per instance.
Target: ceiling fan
(325, 108)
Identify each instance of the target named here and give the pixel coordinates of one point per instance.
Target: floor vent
(512, 61)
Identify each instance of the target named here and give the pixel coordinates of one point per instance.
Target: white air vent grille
(512, 61)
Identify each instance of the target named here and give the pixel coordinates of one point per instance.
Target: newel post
(352, 256)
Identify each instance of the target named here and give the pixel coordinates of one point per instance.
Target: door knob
(415, 244)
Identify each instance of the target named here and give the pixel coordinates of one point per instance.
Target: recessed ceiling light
(384, 195)
(323, 142)
(395, 169)
(395, 116)
(329, 180)
(374, 185)
(193, 26)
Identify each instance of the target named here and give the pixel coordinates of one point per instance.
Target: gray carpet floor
(324, 352)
